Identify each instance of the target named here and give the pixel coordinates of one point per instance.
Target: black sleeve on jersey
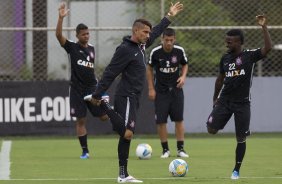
(184, 59)
(152, 61)
(67, 46)
(256, 55)
(118, 63)
(157, 31)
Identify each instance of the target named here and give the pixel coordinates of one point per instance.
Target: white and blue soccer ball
(144, 151)
(178, 167)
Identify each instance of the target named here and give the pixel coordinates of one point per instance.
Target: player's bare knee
(104, 118)
(128, 134)
(80, 122)
(241, 139)
(211, 130)
(128, 137)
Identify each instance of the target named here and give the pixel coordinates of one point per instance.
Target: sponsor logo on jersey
(174, 59)
(85, 63)
(72, 111)
(234, 73)
(210, 119)
(91, 55)
(169, 70)
(132, 124)
(238, 61)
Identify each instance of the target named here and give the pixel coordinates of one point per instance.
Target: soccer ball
(178, 168)
(144, 151)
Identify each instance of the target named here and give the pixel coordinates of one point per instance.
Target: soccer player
(129, 60)
(165, 88)
(83, 80)
(232, 88)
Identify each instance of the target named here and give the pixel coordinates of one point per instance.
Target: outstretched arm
(62, 13)
(262, 21)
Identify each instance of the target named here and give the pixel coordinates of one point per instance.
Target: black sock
(240, 153)
(83, 143)
(180, 145)
(165, 146)
(123, 153)
(117, 121)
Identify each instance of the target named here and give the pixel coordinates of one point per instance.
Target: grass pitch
(56, 160)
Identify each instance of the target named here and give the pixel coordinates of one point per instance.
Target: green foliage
(245, 15)
(204, 53)
(205, 47)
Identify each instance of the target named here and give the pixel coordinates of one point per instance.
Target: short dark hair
(80, 27)
(141, 22)
(169, 32)
(236, 32)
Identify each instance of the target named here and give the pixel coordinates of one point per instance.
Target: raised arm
(262, 21)
(174, 9)
(158, 29)
(62, 13)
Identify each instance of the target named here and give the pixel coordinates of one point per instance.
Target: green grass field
(56, 160)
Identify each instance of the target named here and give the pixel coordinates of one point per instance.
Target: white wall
(93, 14)
(266, 105)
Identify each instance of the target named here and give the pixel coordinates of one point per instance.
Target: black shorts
(78, 106)
(223, 111)
(127, 107)
(170, 104)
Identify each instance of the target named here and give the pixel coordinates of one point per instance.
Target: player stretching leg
(83, 80)
(232, 88)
